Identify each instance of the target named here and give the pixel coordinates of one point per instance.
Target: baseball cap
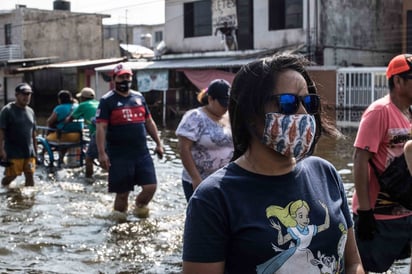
(219, 89)
(121, 68)
(399, 64)
(86, 93)
(23, 88)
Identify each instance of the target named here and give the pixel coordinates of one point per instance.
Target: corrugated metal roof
(195, 63)
(72, 64)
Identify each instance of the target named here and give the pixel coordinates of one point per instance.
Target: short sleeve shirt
(87, 111)
(383, 130)
(18, 125)
(238, 217)
(126, 119)
(62, 111)
(212, 143)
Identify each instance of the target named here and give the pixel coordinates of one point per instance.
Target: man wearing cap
(383, 227)
(123, 120)
(87, 110)
(18, 137)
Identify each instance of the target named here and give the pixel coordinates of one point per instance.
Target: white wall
(174, 32)
(263, 38)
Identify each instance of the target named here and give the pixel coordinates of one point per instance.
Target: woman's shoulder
(66, 105)
(192, 116)
(316, 162)
(194, 112)
(230, 172)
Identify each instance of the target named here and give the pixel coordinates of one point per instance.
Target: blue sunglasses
(288, 103)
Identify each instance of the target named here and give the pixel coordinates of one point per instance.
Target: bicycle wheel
(43, 157)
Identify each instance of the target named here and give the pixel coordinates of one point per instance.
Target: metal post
(164, 108)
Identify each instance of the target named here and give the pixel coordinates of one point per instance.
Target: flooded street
(62, 224)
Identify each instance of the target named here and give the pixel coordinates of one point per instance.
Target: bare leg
(29, 179)
(226, 45)
(121, 202)
(62, 153)
(89, 167)
(146, 195)
(7, 180)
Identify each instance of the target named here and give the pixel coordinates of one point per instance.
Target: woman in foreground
(274, 209)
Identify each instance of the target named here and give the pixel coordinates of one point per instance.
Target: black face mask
(123, 86)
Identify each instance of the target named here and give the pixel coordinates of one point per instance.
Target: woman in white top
(205, 137)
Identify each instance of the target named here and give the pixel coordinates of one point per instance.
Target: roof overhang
(193, 63)
(72, 64)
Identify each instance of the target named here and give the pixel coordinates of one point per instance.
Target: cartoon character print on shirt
(295, 217)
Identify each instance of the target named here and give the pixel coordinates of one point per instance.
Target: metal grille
(356, 89)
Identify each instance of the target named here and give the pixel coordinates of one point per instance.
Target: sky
(125, 11)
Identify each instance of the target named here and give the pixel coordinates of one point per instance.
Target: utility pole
(127, 32)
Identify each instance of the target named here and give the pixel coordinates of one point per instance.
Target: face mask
(290, 135)
(123, 86)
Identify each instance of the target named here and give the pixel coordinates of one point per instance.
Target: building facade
(145, 35)
(60, 33)
(32, 38)
(331, 32)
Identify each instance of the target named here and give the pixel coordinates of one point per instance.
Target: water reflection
(62, 224)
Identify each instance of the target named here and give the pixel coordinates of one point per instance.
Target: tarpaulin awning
(202, 78)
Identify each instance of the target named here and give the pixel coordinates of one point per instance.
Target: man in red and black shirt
(122, 123)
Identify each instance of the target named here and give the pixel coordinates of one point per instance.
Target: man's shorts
(125, 173)
(18, 166)
(92, 148)
(392, 242)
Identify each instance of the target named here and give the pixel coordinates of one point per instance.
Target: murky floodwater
(62, 224)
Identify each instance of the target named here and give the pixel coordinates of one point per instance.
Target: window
(158, 36)
(285, 14)
(7, 34)
(198, 18)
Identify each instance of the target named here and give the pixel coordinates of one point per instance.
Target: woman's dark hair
(65, 97)
(253, 85)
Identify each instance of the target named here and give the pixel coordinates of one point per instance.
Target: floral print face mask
(290, 135)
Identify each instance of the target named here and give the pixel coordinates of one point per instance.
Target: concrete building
(332, 32)
(145, 35)
(32, 33)
(33, 38)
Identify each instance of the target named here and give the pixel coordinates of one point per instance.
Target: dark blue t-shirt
(294, 223)
(126, 119)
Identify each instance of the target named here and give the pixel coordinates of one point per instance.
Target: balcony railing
(8, 52)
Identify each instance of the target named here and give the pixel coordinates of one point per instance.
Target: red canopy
(202, 78)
